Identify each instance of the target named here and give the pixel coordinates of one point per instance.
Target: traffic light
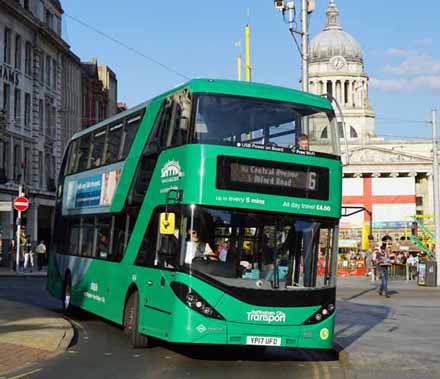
(365, 237)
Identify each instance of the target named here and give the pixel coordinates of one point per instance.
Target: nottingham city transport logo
(266, 316)
(171, 172)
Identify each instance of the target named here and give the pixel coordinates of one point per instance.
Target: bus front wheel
(131, 322)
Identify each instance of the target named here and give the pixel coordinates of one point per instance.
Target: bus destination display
(275, 178)
(270, 176)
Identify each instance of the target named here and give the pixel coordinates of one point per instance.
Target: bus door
(156, 277)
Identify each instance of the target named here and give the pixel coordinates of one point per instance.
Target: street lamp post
(435, 175)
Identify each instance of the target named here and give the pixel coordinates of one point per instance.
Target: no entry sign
(21, 204)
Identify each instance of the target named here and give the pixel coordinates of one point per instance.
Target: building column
(32, 220)
(430, 192)
(343, 93)
(350, 93)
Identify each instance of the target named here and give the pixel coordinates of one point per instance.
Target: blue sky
(400, 41)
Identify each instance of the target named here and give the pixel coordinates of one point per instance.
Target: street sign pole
(17, 262)
(435, 177)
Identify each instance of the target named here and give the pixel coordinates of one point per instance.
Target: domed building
(390, 178)
(336, 67)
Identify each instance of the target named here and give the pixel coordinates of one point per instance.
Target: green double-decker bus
(197, 218)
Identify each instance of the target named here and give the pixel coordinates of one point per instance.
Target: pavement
(399, 333)
(371, 331)
(29, 334)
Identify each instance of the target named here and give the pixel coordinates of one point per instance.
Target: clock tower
(336, 66)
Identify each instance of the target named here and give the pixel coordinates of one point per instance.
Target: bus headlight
(194, 301)
(324, 312)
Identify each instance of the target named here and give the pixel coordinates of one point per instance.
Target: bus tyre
(67, 295)
(131, 321)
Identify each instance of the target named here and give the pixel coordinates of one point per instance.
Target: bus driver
(197, 249)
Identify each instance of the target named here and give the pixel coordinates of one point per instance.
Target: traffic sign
(21, 204)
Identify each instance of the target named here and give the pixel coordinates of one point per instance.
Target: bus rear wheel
(67, 295)
(131, 322)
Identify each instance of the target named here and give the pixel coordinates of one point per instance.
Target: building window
(41, 67)
(40, 169)
(330, 87)
(48, 119)
(53, 120)
(5, 159)
(419, 201)
(26, 5)
(28, 59)
(353, 132)
(18, 52)
(6, 100)
(7, 46)
(341, 131)
(48, 60)
(324, 133)
(48, 18)
(41, 115)
(54, 73)
(27, 165)
(17, 160)
(27, 110)
(17, 107)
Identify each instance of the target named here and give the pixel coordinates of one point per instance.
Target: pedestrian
(368, 262)
(12, 255)
(28, 254)
(383, 263)
(412, 262)
(41, 254)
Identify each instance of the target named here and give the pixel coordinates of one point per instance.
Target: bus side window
(87, 236)
(73, 158)
(147, 250)
(114, 143)
(164, 124)
(102, 246)
(83, 152)
(97, 149)
(177, 119)
(131, 128)
(122, 226)
(74, 238)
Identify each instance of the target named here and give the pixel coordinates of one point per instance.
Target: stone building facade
(39, 98)
(99, 93)
(391, 178)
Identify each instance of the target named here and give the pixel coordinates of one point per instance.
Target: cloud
(397, 52)
(415, 65)
(425, 82)
(423, 42)
(388, 84)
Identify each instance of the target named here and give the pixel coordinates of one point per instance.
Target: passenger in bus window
(103, 246)
(303, 142)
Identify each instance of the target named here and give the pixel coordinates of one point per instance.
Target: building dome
(333, 41)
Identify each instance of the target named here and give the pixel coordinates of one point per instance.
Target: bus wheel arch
(130, 320)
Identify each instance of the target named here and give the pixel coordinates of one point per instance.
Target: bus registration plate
(263, 341)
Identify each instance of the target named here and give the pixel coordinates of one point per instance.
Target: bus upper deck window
(83, 152)
(114, 140)
(131, 129)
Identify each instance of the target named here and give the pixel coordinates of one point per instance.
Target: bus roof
(226, 87)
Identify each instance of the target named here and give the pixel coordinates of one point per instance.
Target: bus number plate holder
(263, 341)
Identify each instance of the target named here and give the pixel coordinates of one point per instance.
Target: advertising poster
(92, 191)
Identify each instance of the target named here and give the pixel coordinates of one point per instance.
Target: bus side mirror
(167, 223)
